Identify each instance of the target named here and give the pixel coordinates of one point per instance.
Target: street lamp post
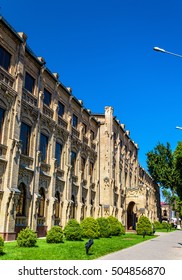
(157, 49)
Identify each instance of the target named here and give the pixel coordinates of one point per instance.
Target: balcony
(29, 98)
(74, 178)
(3, 150)
(62, 122)
(47, 111)
(7, 81)
(45, 169)
(75, 132)
(26, 162)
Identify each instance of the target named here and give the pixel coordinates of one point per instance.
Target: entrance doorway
(131, 216)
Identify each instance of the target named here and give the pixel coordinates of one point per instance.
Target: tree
(178, 166)
(165, 167)
(161, 167)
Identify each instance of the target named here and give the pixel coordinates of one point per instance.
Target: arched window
(57, 205)
(42, 203)
(20, 209)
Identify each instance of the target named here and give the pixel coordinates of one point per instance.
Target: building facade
(57, 159)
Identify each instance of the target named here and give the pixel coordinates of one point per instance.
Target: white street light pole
(157, 49)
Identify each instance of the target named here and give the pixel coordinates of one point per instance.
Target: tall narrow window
(83, 162)
(47, 97)
(72, 210)
(25, 138)
(29, 82)
(73, 161)
(60, 109)
(5, 58)
(42, 203)
(57, 206)
(75, 121)
(2, 112)
(43, 146)
(58, 153)
(91, 169)
(20, 209)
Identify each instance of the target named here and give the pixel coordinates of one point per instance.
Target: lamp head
(159, 49)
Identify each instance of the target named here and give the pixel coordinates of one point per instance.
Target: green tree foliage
(161, 167)
(165, 167)
(54, 235)
(73, 230)
(105, 228)
(26, 238)
(90, 228)
(116, 226)
(178, 166)
(1, 245)
(144, 224)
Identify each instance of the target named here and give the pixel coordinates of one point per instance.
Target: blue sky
(103, 50)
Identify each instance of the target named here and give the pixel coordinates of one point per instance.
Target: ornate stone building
(127, 191)
(57, 159)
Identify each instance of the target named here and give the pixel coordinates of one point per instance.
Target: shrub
(105, 228)
(116, 226)
(54, 235)
(166, 225)
(27, 238)
(1, 245)
(90, 228)
(157, 225)
(144, 224)
(73, 230)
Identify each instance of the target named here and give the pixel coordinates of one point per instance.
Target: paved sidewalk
(167, 246)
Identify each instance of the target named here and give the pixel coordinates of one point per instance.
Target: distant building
(58, 160)
(166, 213)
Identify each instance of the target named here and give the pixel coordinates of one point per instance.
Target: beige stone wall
(111, 167)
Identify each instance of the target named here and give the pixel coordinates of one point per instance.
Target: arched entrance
(131, 216)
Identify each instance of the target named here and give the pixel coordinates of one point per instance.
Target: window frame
(2, 117)
(44, 149)
(21, 206)
(61, 109)
(75, 121)
(5, 58)
(47, 97)
(60, 153)
(73, 161)
(29, 82)
(41, 209)
(25, 144)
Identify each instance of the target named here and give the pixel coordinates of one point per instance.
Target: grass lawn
(71, 250)
(165, 230)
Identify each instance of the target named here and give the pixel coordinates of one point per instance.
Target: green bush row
(163, 225)
(88, 228)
